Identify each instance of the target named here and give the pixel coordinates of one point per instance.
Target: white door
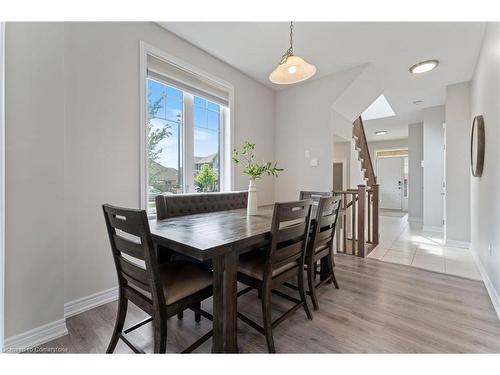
(389, 178)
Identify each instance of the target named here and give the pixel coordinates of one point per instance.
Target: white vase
(252, 198)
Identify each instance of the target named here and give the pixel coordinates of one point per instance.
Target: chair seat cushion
(182, 279)
(253, 266)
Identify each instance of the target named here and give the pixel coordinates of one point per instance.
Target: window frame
(226, 179)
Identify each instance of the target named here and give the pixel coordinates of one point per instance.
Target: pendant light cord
(289, 51)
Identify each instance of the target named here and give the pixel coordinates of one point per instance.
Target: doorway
(338, 176)
(392, 177)
(390, 180)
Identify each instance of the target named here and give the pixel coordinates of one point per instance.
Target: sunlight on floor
(406, 243)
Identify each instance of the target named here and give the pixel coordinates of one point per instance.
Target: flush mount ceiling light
(291, 69)
(424, 66)
(381, 132)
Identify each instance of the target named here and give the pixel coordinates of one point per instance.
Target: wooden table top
(207, 235)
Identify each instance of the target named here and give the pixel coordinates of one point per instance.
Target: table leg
(231, 302)
(225, 303)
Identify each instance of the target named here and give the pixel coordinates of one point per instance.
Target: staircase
(358, 134)
(358, 229)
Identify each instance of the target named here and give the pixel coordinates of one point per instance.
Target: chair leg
(332, 272)
(160, 333)
(180, 315)
(303, 293)
(312, 290)
(266, 314)
(259, 293)
(197, 316)
(120, 321)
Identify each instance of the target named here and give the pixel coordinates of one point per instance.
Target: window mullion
(188, 154)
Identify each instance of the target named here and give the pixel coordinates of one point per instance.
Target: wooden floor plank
(379, 308)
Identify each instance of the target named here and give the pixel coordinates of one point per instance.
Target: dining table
(221, 237)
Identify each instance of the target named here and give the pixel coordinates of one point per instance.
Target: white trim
(89, 302)
(54, 330)
(36, 336)
(2, 184)
(143, 67)
(495, 298)
(147, 49)
(454, 243)
(415, 219)
(432, 228)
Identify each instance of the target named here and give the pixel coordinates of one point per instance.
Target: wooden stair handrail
(358, 132)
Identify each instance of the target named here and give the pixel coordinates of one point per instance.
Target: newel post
(375, 200)
(361, 220)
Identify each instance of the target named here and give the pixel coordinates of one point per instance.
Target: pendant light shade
(291, 69)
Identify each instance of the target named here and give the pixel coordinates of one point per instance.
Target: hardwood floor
(379, 308)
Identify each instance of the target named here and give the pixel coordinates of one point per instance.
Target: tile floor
(406, 243)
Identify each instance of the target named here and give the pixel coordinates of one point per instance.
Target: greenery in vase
(251, 168)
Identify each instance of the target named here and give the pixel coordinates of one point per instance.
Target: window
(185, 140)
(206, 145)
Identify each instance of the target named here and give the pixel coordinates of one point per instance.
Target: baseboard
(36, 336)
(89, 302)
(432, 228)
(453, 243)
(495, 299)
(415, 219)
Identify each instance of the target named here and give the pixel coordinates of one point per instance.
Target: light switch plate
(307, 154)
(422, 163)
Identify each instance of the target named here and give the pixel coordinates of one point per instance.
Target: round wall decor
(477, 146)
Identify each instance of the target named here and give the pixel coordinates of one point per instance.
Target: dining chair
(321, 246)
(283, 261)
(160, 290)
(314, 196)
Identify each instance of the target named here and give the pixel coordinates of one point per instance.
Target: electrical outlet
(314, 162)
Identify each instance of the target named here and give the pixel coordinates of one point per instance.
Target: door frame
(2, 185)
(444, 185)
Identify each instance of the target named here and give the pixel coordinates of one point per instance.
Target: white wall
(415, 172)
(485, 201)
(307, 117)
(60, 171)
(35, 95)
(433, 167)
(458, 102)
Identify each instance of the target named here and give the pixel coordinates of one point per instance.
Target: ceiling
(255, 48)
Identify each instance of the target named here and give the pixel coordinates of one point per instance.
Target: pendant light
(291, 69)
